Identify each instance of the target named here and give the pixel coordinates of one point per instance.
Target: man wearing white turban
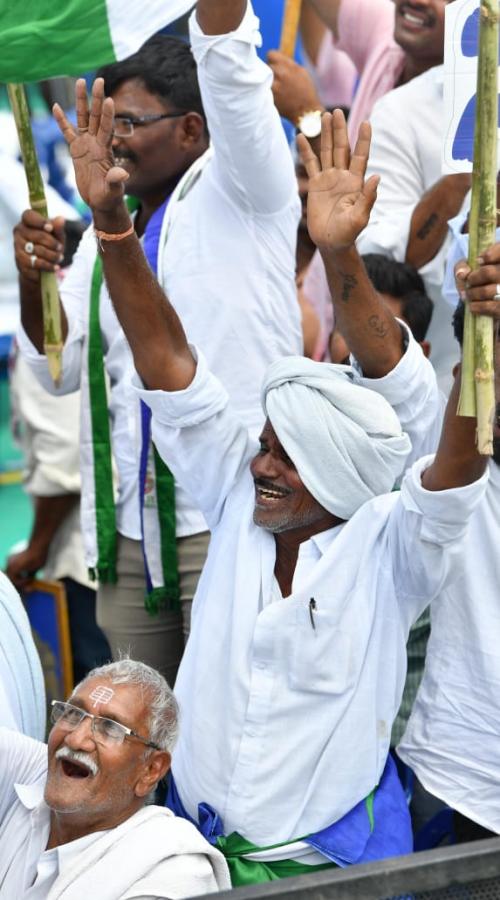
(296, 660)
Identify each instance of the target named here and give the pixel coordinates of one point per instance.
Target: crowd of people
(283, 515)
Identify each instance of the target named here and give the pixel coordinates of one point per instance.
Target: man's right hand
(339, 198)
(38, 245)
(294, 90)
(22, 567)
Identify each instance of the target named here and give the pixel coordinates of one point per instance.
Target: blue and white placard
(460, 78)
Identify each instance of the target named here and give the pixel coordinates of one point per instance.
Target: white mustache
(77, 756)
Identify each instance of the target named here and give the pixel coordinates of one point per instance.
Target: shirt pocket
(322, 654)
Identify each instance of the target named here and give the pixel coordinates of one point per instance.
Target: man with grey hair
(296, 662)
(73, 815)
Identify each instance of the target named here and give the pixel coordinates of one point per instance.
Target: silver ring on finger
(81, 130)
(497, 295)
(29, 247)
(33, 260)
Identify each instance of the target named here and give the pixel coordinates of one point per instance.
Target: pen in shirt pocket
(312, 610)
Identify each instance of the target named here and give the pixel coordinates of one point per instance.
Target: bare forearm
(220, 16)
(457, 462)
(328, 11)
(32, 314)
(312, 31)
(50, 513)
(429, 224)
(156, 337)
(368, 326)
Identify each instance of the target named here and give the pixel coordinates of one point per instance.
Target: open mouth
(414, 19)
(123, 161)
(266, 493)
(75, 769)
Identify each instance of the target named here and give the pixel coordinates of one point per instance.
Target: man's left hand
(339, 199)
(481, 286)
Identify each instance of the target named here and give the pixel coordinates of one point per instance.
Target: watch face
(310, 124)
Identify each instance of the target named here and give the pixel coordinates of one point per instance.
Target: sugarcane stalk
(290, 27)
(52, 332)
(477, 396)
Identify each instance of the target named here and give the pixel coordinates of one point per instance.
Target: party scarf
(156, 484)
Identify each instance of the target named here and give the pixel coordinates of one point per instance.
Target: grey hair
(163, 707)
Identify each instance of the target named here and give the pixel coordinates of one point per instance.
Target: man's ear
(193, 130)
(426, 348)
(155, 768)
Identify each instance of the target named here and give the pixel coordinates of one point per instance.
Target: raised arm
(339, 206)
(457, 462)
(328, 11)
(220, 16)
(252, 161)
(161, 353)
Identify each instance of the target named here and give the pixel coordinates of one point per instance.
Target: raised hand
(339, 199)
(99, 181)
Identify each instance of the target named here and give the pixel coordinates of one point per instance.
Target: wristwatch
(309, 123)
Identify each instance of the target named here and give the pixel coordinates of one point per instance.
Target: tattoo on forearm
(349, 282)
(378, 326)
(427, 227)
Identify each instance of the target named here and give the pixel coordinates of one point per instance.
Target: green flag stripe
(45, 38)
(42, 38)
(101, 438)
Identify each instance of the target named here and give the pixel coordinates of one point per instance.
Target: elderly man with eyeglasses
(73, 817)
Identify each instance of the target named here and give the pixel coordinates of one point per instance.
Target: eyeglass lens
(70, 717)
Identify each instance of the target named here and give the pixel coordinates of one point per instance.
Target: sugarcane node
(53, 348)
(488, 219)
(483, 377)
(491, 18)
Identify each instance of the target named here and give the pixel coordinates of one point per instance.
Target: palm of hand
(334, 216)
(92, 162)
(99, 181)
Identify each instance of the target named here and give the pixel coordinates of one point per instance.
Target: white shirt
(24, 823)
(408, 158)
(22, 691)
(48, 428)
(285, 727)
(228, 266)
(170, 857)
(453, 735)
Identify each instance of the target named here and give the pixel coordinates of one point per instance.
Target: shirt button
(262, 665)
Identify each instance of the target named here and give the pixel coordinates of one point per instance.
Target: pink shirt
(335, 74)
(366, 29)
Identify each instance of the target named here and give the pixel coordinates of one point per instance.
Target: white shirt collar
(31, 795)
(323, 540)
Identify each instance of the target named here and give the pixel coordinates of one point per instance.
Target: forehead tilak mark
(101, 694)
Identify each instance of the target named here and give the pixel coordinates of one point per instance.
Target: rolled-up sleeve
(427, 532)
(412, 390)
(252, 158)
(199, 438)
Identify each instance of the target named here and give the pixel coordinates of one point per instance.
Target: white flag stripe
(131, 23)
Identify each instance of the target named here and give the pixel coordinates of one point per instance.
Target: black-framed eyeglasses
(105, 731)
(124, 125)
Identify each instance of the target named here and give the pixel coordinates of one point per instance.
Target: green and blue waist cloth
(377, 827)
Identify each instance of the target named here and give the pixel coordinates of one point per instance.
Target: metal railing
(463, 872)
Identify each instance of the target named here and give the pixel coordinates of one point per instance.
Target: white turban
(345, 440)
